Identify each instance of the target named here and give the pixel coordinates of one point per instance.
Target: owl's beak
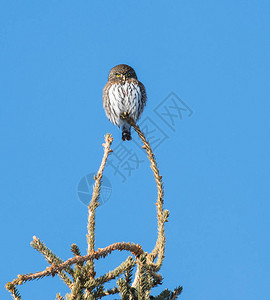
(124, 77)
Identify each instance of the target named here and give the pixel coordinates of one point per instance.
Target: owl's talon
(124, 115)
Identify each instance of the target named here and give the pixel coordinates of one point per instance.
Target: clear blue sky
(214, 56)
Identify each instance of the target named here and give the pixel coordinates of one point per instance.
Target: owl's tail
(126, 135)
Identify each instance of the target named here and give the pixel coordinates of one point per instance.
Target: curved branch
(162, 214)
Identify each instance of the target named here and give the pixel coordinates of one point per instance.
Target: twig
(59, 297)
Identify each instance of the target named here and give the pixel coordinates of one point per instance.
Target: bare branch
(94, 204)
(162, 215)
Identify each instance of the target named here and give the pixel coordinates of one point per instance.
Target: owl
(123, 93)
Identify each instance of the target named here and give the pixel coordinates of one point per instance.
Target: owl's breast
(125, 98)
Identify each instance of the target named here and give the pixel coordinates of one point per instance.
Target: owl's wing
(106, 102)
(143, 99)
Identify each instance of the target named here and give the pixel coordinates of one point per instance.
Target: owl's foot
(126, 136)
(124, 115)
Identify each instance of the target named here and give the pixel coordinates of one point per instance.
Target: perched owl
(123, 93)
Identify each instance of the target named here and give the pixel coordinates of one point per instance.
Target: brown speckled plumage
(123, 93)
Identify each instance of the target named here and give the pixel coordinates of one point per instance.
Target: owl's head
(122, 72)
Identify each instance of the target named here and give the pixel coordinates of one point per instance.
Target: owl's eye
(118, 75)
(128, 74)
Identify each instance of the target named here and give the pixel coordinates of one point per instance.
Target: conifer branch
(162, 215)
(111, 291)
(126, 265)
(168, 295)
(51, 271)
(94, 204)
(59, 297)
(51, 258)
(85, 285)
(77, 289)
(13, 290)
(144, 280)
(75, 250)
